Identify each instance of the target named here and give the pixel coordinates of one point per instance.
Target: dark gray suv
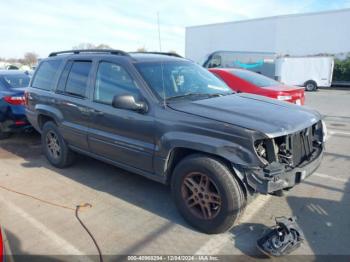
(168, 119)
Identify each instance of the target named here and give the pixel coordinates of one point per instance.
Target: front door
(123, 136)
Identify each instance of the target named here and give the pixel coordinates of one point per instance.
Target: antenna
(161, 63)
(160, 43)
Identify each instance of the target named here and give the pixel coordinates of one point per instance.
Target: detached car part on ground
(172, 121)
(281, 239)
(12, 113)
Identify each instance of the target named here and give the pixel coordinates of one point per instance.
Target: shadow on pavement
(17, 254)
(25, 145)
(325, 223)
(135, 189)
(246, 235)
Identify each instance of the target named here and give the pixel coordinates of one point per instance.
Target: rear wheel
(207, 194)
(55, 148)
(310, 85)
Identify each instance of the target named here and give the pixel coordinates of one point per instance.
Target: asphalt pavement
(133, 215)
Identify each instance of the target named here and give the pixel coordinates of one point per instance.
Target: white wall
(307, 34)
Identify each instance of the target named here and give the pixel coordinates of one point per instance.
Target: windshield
(255, 78)
(17, 81)
(172, 80)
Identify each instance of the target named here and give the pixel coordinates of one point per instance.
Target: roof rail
(159, 53)
(78, 51)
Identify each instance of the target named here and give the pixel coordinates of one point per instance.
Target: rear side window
(46, 76)
(78, 78)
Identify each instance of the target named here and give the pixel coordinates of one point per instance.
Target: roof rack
(78, 51)
(159, 53)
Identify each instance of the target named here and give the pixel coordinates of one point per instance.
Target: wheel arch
(47, 113)
(177, 154)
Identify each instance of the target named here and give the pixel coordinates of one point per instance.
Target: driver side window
(112, 79)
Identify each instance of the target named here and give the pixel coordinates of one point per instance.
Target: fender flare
(49, 111)
(230, 151)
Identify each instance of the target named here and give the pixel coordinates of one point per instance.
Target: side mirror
(128, 102)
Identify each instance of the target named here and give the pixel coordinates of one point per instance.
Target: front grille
(305, 143)
(293, 149)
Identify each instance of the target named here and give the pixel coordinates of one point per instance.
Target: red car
(241, 80)
(2, 247)
(5, 254)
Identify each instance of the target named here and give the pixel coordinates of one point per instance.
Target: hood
(269, 116)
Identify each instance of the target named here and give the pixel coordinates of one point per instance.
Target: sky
(43, 26)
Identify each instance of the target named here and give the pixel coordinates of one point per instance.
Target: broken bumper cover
(275, 177)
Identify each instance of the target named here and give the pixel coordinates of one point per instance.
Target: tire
(59, 154)
(310, 85)
(222, 183)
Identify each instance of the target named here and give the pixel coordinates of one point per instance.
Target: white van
(310, 71)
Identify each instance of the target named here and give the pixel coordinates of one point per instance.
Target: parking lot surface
(133, 215)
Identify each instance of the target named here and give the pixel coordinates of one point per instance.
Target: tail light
(15, 100)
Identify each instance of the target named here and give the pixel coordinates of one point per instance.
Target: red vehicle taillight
(15, 100)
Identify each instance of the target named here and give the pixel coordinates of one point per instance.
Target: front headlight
(283, 98)
(261, 150)
(324, 131)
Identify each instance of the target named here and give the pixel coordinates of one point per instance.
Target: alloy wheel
(201, 195)
(53, 144)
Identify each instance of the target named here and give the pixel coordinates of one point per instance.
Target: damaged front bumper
(275, 177)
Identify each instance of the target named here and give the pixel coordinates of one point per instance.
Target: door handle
(97, 112)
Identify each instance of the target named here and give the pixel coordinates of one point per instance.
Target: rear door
(72, 100)
(123, 136)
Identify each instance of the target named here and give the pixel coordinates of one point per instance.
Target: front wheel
(207, 194)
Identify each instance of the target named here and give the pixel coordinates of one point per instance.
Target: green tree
(341, 70)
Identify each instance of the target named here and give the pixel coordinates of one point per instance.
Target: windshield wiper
(220, 94)
(186, 95)
(199, 94)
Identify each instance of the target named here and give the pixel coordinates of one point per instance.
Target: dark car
(12, 112)
(168, 119)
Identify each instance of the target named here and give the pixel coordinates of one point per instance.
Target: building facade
(295, 35)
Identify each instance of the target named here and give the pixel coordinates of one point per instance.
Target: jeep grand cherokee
(168, 119)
